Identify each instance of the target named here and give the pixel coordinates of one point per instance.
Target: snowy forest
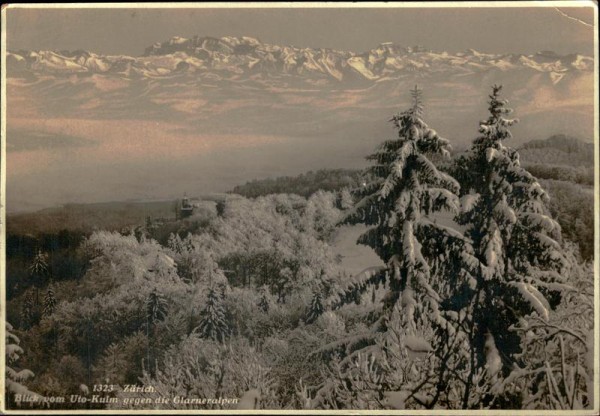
(481, 296)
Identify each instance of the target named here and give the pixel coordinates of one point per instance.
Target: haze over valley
(204, 114)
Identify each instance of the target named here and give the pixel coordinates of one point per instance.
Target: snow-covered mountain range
(213, 113)
(237, 57)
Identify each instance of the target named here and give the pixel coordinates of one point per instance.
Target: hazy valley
(207, 113)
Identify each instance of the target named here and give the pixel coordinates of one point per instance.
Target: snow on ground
(355, 257)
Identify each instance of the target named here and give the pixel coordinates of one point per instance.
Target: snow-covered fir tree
(156, 310)
(156, 307)
(39, 265)
(29, 311)
(39, 272)
(407, 189)
(213, 324)
(316, 307)
(518, 250)
(15, 378)
(400, 205)
(175, 243)
(49, 302)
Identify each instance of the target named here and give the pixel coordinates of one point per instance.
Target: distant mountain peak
(244, 56)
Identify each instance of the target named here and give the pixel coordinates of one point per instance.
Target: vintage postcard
(306, 208)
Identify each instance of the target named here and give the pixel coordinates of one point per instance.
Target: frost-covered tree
(320, 214)
(213, 324)
(407, 189)
(201, 368)
(39, 265)
(360, 385)
(29, 311)
(556, 365)
(517, 247)
(156, 309)
(344, 199)
(15, 377)
(400, 205)
(175, 243)
(49, 302)
(39, 271)
(123, 361)
(316, 307)
(198, 266)
(112, 363)
(116, 259)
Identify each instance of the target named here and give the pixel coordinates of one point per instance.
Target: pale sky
(130, 31)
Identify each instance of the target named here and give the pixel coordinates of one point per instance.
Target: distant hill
(562, 142)
(558, 150)
(560, 157)
(304, 185)
(88, 217)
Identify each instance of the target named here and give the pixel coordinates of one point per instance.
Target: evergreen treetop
(213, 323)
(399, 205)
(516, 244)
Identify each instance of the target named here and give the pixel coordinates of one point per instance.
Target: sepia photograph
(300, 208)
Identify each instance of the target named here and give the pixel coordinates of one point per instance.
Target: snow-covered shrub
(15, 377)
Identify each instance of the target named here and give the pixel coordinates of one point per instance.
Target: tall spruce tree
(156, 307)
(39, 272)
(29, 311)
(213, 323)
(518, 251)
(49, 302)
(421, 335)
(397, 206)
(316, 307)
(156, 310)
